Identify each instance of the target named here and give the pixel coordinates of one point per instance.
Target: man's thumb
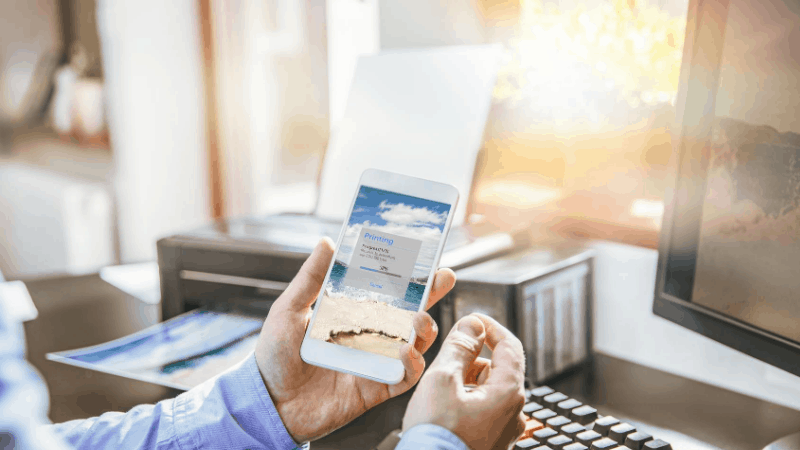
(305, 286)
(462, 345)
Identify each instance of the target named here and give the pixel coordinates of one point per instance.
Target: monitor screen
(734, 219)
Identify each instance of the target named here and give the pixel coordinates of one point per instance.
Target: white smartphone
(380, 276)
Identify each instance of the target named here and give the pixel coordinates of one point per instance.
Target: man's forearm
(232, 411)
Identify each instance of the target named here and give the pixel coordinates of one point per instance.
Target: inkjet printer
(244, 264)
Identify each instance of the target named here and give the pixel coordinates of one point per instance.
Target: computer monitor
(729, 252)
(729, 255)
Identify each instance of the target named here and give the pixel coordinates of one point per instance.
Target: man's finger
(508, 366)
(508, 357)
(414, 365)
(495, 332)
(305, 286)
(475, 373)
(426, 331)
(461, 347)
(443, 282)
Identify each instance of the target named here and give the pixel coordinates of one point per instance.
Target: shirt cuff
(246, 407)
(429, 436)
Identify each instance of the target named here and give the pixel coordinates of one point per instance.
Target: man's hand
(313, 401)
(489, 415)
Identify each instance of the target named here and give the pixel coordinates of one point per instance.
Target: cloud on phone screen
(401, 215)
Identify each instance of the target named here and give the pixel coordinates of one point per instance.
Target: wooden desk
(80, 311)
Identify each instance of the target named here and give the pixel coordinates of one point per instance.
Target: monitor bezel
(699, 79)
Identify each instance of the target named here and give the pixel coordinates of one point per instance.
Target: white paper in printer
(179, 353)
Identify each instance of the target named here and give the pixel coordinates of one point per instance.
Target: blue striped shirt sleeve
(430, 437)
(231, 411)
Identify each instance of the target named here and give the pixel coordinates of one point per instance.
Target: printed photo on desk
(179, 353)
(380, 272)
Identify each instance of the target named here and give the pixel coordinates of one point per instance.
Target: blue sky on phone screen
(398, 214)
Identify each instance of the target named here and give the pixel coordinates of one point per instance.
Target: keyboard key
(603, 444)
(557, 422)
(558, 442)
(572, 429)
(604, 424)
(576, 446)
(543, 414)
(544, 434)
(531, 408)
(537, 394)
(526, 444)
(587, 437)
(566, 406)
(543, 447)
(657, 444)
(583, 415)
(620, 431)
(553, 399)
(531, 426)
(637, 440)
(621, 447)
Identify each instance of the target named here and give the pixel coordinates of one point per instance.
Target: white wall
(426, 23)
(625, 327)
(153, 74)
(353, 30)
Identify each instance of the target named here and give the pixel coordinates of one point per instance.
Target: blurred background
(123, 122)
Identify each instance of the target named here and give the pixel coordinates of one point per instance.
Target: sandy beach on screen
(364, 325)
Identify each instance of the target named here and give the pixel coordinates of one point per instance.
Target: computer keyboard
(557, 422)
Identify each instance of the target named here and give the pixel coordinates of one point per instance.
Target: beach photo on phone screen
(380, 271)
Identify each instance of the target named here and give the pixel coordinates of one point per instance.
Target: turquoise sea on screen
(411, 301)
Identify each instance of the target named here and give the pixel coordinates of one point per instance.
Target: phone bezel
(361, 363)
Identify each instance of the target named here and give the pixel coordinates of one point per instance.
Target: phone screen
(380, 271)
